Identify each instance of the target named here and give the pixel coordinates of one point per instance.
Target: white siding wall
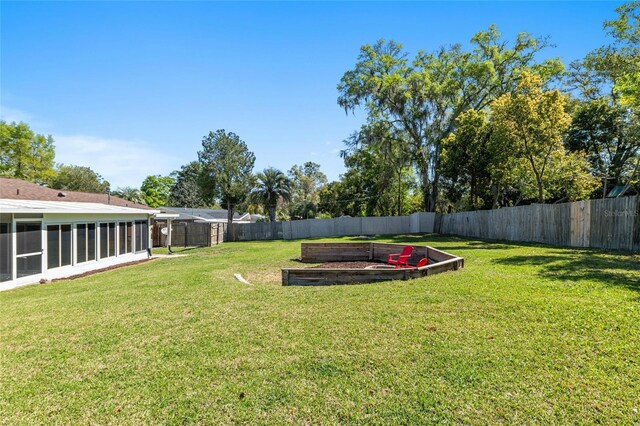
(75, 268)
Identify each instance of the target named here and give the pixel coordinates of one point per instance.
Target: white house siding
(74, 267)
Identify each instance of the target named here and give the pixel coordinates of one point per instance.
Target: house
(44, 235)
(16, 189)
(200, 215)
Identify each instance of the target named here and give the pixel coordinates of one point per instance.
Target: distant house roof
(620, 190)
(69, 207)
(16, 189)
(254, 217)
(204, 215)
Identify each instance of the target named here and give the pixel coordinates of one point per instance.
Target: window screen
(104, 240)
(142, 235)
(112, 239)
(29, 238)
(138, 236)
(145, 235)
(6, 254)
(65, 245)
(81, 243)
(91, 241)
(122, 238)
(29, 249)
(53, 246)
(130, 237)
(58, 246)
(28, 265)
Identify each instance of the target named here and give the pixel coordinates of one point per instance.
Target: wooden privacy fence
(340, 226)
(257, 231)
(186, 234)
(612, 223)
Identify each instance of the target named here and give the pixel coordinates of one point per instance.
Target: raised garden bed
(371, 258)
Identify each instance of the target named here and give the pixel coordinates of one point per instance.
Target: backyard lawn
(522, 334)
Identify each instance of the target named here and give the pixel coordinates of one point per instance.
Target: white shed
(57, 239)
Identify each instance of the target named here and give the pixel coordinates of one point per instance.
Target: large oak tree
(227, 166)
(422, 98)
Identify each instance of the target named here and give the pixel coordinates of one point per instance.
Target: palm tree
(131, 194)
(272, 186)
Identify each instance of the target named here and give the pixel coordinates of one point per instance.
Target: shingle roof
(37, 206)
(16, 189)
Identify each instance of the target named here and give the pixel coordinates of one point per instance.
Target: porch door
(28, 248)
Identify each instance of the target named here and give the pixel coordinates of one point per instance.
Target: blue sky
(130, 88)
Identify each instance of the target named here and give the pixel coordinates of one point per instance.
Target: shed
(57, 239)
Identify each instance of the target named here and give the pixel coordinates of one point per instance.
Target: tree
(186, 191)
(156, 189)
(609, 135)
(344, 197)
(606, 124)
(329, 196)
(530, 124)
(474, 162)
(129, 193)
(24, 154)
(613, 70)
(621, 59)
(78, 178)
(226, 174)
(378, 169)
(272, 186)
(422, 99)
(305, 182)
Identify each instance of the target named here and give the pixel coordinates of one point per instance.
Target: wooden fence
(313, 228)
(189, 234)
(257, 231)
(612, 223)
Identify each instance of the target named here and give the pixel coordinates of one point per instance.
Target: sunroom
(54, 239)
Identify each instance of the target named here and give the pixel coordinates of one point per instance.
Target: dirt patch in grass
(264, 276)
(347, 265)
(97, 271)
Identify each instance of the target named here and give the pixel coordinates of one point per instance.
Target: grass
(523, 334)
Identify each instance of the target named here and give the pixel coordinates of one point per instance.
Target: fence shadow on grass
(609, 268)
(448, 242)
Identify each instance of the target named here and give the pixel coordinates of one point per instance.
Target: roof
(16, 189)
(619, 191)
(207, 215)
(69, 207)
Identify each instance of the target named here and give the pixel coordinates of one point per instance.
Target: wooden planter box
(439, 261)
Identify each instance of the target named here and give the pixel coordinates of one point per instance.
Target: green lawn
(523, 334)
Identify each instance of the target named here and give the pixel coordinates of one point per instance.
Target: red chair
(401, 260)
(423, 262)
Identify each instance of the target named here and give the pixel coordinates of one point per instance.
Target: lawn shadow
(449, 242)
(609, 268)
(179, 249)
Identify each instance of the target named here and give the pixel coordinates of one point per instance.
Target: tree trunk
(272, 213)
(540, 192)
(229, 220)
(496, 195)
(472, 192)
(425, 188)
(400, 192)
(434, 193)
(538, 179)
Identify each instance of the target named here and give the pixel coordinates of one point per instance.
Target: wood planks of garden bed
(439, 261)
